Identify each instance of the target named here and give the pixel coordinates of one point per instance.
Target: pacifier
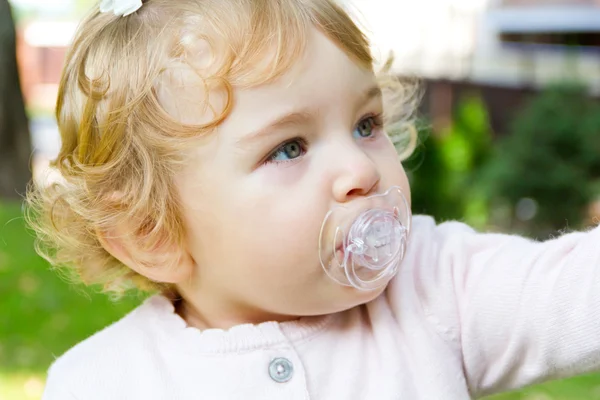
(362, 244)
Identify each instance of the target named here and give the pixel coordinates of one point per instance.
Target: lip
(340, 249)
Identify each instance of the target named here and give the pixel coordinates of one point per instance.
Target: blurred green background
(522, 159)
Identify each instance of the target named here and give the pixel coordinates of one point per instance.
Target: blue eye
(365, 127)
(288, 151)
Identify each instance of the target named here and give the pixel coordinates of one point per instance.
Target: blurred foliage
(551, 156)
(444, 171)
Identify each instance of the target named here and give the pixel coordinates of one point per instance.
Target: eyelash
(376, 120)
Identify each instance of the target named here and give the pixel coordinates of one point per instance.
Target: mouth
(340, 251)
(360, 241)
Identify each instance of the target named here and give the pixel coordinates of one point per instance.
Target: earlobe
(163, 264)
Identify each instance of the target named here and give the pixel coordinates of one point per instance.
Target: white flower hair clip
(121, 8)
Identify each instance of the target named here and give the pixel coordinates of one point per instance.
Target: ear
(164, 263)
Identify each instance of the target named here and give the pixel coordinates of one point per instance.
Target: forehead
(322, 68)
(325, 79)
(322, 78)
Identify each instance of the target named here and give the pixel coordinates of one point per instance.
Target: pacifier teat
(362, 245)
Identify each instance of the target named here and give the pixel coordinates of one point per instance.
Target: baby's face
(256, 191)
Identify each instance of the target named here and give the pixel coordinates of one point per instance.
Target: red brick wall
(40, 69)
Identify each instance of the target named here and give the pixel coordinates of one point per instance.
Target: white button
(281, 370)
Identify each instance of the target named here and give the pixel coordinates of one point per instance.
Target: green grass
(41, 316)
(579, 388)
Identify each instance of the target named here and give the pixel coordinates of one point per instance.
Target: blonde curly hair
(121, 148)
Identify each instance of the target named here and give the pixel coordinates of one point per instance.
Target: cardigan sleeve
(518, 311)
(58, 388)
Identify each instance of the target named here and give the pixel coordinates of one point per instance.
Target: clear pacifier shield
(362, 244)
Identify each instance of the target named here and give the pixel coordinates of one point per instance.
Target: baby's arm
(521, 311)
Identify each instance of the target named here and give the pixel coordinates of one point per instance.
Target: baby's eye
(288, 151)
(366, 126)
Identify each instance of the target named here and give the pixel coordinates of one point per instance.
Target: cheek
(282, 175)
(392, 173)
(283, 231)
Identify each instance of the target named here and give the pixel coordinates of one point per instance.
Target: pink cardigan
(468, 315)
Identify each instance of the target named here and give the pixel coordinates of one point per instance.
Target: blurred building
(527, 42)
(504, 49)
(41, 50)
(507, 49)
(503, 42)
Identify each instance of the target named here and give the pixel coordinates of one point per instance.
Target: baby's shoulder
(426, 225)
(117, 349)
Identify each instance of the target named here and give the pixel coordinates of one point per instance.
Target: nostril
(355, 193)
(362, 191)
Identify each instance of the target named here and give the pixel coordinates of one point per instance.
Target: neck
(213, 312)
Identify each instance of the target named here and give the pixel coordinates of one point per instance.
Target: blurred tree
(550, 160)
(15, 142)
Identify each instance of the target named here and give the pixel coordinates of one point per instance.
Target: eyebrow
(296, 118)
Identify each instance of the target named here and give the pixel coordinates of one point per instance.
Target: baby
(231, 157)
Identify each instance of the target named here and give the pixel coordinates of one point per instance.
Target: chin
(352, 297)
(365, 296)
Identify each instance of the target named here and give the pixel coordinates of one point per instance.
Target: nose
(357, 175)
